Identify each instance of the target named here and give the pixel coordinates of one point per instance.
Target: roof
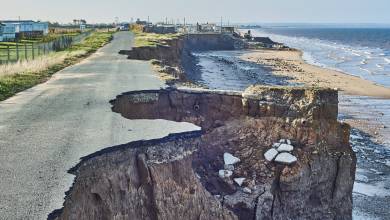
(20, 21)
(16, 21)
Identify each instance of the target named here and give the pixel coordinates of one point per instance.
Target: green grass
(152, 39)
(14, 83)
(25, 47)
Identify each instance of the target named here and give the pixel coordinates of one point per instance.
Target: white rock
(239, 181)
(285, 148)
(285, 158)
(230, 159)
(271, 154)
(288, 141)
(229, 167)
(276, 145)
(225, 173)
(247, 190)
(282, 141)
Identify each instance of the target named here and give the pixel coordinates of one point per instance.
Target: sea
(356, 50)
(360, 51)
(363, 52)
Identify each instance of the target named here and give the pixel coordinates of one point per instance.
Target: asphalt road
(45, 130)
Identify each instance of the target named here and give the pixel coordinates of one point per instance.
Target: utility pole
(184, 24)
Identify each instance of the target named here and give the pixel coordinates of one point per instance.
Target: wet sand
(365, 106)
(369, 115)
(290, 63)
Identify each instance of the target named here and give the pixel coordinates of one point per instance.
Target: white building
(24, 28)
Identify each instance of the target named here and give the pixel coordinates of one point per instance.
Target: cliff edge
(226, 170)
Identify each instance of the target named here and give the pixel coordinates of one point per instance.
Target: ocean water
(363, 52)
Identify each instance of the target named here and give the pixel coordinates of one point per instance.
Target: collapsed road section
(265, 153)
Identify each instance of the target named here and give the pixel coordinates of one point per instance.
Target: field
(32, 48)
(16, 77)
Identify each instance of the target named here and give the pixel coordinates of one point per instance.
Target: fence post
(33, 51)
(25, 51)
(17, 51)
(8, 54)
(39, 49)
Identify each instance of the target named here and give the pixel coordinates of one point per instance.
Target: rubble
(285, 148)
(285, 158)
(147, 179)
(281, 152)
(225, 173)
(271, 154)
(247, 190)
(229, 159)
(239, 181)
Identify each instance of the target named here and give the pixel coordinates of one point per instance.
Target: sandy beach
(291, 64)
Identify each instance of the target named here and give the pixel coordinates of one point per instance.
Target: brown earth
(177, 177)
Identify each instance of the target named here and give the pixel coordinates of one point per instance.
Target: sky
(234, 11)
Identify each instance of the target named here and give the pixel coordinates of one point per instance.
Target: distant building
(227, 29)
(1, 31)
(206, 27)
(82, 23)
(77, 22)
(139, 22)
(14, 29)
(160, 29)
(9, 32)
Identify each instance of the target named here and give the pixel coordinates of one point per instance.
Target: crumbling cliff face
(179, 177)
(175, 56)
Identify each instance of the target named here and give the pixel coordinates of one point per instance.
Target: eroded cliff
(175, 57)
(179, 177)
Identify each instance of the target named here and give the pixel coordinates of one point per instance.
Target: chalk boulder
(239, 181)
(285, 158)
(225, 173)
(230, 159)
(271, 154)
(285, 148)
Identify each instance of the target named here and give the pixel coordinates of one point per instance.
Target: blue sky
(317, 11)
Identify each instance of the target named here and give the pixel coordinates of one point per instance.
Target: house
(226, 29)
(24, 29)
(160, 29)
(206, 27)
(139, 22)
(8, 33)
(1, 31)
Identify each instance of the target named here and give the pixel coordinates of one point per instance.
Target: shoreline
(290, 63)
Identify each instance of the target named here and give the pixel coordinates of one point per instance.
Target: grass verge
(20, 76)
(151, 39)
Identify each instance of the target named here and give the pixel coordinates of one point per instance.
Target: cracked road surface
(46, 129)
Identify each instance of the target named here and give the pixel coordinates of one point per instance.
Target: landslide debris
(224, 171)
